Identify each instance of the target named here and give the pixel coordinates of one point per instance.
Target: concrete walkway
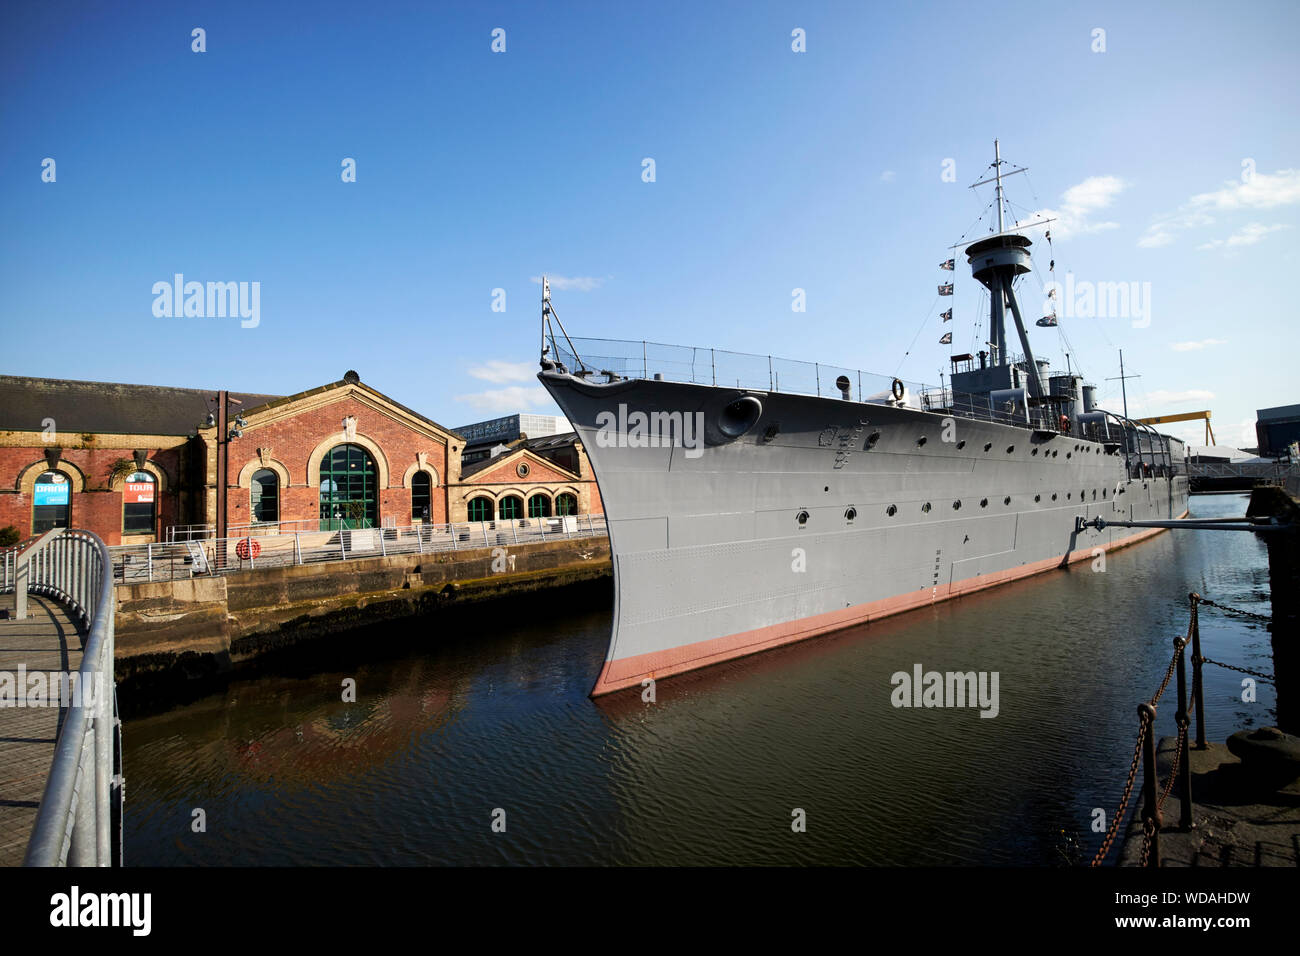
(48, 640)
(1236, 824)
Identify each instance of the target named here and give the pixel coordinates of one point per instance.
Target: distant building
(129, 461)
(1276, 428)
(488, 439)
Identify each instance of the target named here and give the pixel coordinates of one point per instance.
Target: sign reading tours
(139, 489)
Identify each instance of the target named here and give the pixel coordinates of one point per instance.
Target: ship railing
(605, 360)
(179, 560)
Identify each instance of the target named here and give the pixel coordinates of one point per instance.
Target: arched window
(139, 504)
(480, 509)
(51, 502)
(539, 506)
(349, 489)
(420, 495)
(264, 496)
(566, 504)
(511, 507)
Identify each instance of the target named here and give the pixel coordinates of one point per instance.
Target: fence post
(1150, 810)
(483, 525)
(1184, 757)
(148, 550)
(383, 547)
(419, 539)
(1198, 688)
(713, 365)
(297, 548)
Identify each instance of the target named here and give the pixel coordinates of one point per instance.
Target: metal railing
(83, 793)
(613, 359)
(170, 561)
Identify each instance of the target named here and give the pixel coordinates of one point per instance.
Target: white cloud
(499, 372)
(572, 283)
(1078, 205)
(1246, 236)
(887, 176)
(513, 398)
(1198, 345)
(1262, 191)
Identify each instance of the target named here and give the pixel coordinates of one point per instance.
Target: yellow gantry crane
(1185, 417)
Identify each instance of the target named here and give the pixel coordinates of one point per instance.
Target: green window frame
(539, 506)
(349, 485)
(512, 507)
(480, 509)
(565, 504)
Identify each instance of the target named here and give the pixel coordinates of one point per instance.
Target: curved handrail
(74, 822)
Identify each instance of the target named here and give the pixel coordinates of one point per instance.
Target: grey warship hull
(807, 514)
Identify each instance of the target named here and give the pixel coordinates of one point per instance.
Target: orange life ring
(248, 548)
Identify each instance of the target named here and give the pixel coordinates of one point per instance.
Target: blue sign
(52, 493)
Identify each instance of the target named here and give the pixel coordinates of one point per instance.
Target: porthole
(1103, 493)
(961, 444)
(1010, 449)
(891, 510)
(873, 438)
(1053, 495)
(850, 513)
(988, 445)
(984, 502)
(801, 517)
(1069, 495)
(1055, 453)
(956, 505)
(826, 488)
(1034, 452)
(1038, 497)
(920, 441)
(926, 508)
(1006, 500)
(1069, 455)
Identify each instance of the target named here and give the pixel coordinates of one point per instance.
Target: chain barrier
(1118, 816)
(1236, 610)
(1150, 827)
(1241, 670)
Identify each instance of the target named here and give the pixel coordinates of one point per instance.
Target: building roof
(1278, 412)
(351, 378)
(109, 408)
(538, 446)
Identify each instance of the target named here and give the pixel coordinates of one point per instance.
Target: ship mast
(996, 261)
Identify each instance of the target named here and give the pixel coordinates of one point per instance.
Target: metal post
(1184, 758)
(713, 364)
(483, 525)
(148, 550)
(419, 539)
(297, 548)
(645, 366)
(1150, 811)
(1198, 688)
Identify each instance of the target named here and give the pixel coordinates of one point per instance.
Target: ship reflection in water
(287, 773)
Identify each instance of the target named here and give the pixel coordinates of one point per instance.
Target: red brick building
(130, 461)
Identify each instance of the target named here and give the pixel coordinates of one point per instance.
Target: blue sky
(775, 170)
